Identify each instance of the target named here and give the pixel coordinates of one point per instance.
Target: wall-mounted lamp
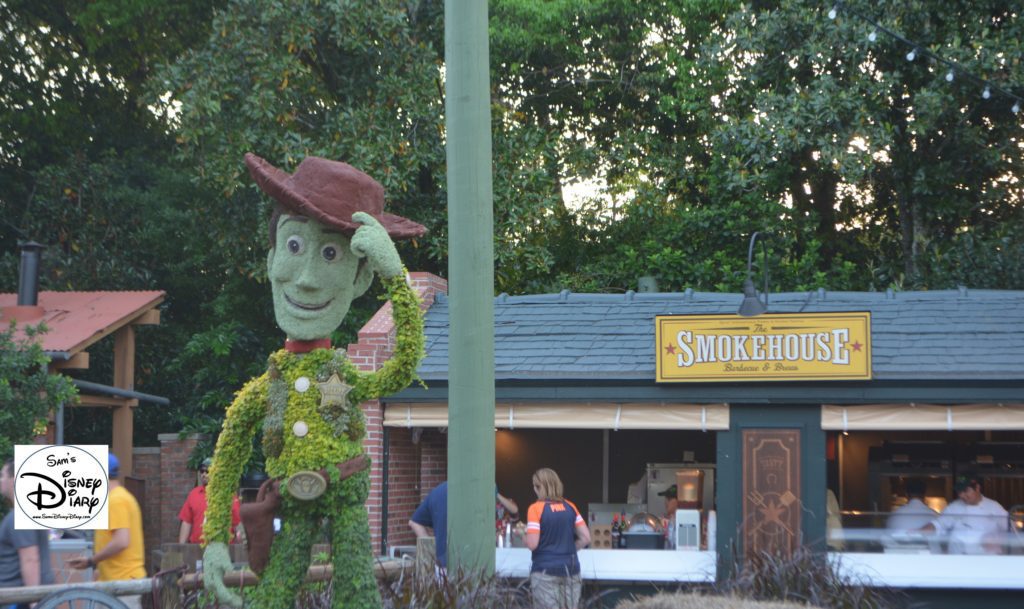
(752, 305)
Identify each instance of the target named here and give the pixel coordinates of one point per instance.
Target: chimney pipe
(647, 283)
(28, 274)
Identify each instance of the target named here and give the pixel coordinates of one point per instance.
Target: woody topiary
(329, 236)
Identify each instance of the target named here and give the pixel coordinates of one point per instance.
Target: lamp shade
(751, 305)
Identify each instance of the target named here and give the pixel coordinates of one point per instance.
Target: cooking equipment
(645, 522)
(645, 532)
(660, 476)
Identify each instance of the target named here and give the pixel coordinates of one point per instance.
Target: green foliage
(709, 120)
(116, 223)
(886, 160)
(86, 172)
(356, 81)
(400, 370)
(88, 212)
(28, 392)
(335, 432)
(70, 74)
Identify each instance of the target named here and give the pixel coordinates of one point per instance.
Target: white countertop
(931, 570)
(622, 565)
(873, 569)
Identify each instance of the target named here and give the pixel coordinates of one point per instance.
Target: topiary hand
(216, 563)
(371, 241)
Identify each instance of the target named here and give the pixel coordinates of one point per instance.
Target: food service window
(897, 479)
(639, 464)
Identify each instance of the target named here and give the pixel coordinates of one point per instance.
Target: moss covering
(279, 399)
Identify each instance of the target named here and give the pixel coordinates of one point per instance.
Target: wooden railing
(181, 558)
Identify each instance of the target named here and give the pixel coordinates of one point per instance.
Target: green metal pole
(471, 539)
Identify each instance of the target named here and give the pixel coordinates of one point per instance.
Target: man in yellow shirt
(118, 552)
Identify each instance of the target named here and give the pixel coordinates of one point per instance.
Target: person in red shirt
(193, 513)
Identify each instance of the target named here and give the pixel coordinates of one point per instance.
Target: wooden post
(124, 378)
(471, 294)
(426, 558)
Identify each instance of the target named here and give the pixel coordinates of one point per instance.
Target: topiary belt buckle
(306, 485)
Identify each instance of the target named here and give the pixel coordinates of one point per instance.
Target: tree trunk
(906, 214)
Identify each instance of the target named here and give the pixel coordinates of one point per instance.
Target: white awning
(930, 417)
(706, 417)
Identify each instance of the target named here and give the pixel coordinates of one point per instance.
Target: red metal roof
(79, 319)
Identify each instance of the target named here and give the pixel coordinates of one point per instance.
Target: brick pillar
(176, 480)
(418, 462)
(433, 460)
(147, 469)
(376, 342)
(403, 484)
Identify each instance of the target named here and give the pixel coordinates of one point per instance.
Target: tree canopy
(28, 392)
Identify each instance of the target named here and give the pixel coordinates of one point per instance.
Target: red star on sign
(856, 345)
(671, 349)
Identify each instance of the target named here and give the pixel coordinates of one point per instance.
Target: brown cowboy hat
(329, 192)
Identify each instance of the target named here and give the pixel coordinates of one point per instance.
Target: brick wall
(418, 461)
(165, 482)
(433, 459)
(403, 484)
(176, 480)
(146, 467)
(374, 347)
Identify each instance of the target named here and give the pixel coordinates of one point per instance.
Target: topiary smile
(307, 307)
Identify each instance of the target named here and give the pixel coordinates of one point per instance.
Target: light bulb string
(921, 50)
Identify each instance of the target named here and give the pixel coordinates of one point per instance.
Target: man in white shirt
(914, 514)
(973, 523)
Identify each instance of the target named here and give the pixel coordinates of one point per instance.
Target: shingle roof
(951, 334)
(76, 320)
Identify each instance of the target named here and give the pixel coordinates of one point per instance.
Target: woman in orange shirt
(555, 531)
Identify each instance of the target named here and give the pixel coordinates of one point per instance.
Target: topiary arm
(234, 446)
(400, 369)
(216, 563)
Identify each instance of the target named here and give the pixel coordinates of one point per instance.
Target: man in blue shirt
(432, 513)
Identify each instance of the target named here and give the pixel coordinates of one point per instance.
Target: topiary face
(313, 275)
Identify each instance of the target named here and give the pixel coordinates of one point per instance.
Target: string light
(954, 69)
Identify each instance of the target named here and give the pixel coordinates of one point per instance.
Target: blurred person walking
(118, 551)
(24, 554)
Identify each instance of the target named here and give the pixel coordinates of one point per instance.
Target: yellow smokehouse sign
(780, 347)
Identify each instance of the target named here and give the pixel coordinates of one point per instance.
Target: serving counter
(930, 570)
(622, 565)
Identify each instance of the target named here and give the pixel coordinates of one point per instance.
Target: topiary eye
(330, 252)
(295, 244)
